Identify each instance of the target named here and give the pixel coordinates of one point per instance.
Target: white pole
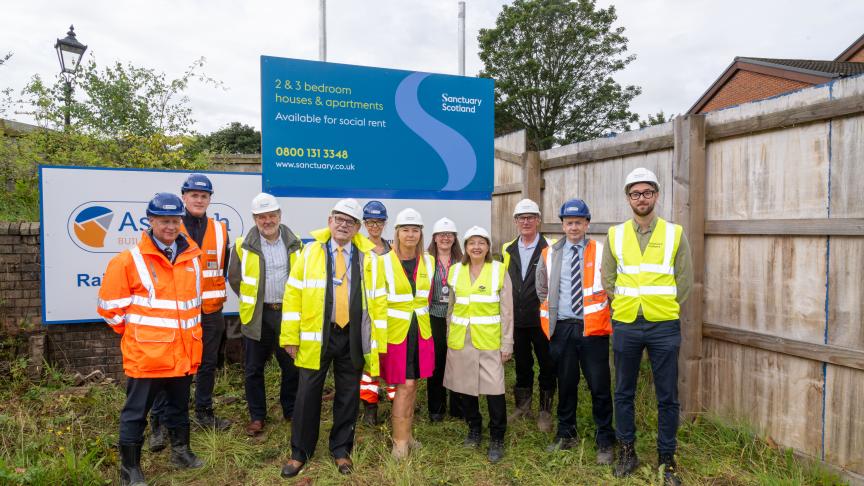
(322, 30)
(461, 41)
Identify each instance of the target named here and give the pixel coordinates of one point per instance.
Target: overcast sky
(682, 46)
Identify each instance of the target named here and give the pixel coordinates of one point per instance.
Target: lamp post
(69, 53)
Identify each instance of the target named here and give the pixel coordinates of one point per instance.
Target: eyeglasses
(634, 196)
(344, 222)
(374, 223)
(526, 219)
(448, 236)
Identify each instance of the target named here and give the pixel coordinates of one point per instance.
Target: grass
(52, 433)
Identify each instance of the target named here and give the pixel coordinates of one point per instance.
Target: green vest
(477, 305)
(646, 280)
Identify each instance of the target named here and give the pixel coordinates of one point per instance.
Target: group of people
(374, 311)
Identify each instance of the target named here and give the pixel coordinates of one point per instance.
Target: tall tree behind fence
(770, 196)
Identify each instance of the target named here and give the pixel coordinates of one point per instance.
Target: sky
(681, 46)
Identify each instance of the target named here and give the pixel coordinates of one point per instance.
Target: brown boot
(523, 404)
(544, 418)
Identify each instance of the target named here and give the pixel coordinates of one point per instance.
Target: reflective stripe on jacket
(303, 310)
(646, 280)
(213, 293)
(156, 306)
(401, 303)
(477, 305)
(595, 304)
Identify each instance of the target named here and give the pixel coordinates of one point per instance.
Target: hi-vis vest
(213, 293)
(646, 280)
(477, 305)
(156, 307)
(401, 303)
(250, 268)
(303, 312)
(595, 305)
(506, 254)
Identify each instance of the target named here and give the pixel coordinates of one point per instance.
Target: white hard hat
(409, 217)
(640, 174)
(476, 231)
(444, 225)
(350, 207)
(264, 203)
(526, 206)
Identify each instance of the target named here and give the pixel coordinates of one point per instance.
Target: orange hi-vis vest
(595, 304)
(156, 307)
(213, 293)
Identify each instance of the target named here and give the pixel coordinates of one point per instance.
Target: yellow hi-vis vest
(505, 255)
(250, 268)
(646, 280)
(303, 312)
(477, 305)
(401, 303)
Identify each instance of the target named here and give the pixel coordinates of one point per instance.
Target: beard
(643, 211)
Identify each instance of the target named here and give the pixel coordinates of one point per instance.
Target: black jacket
(526, 305)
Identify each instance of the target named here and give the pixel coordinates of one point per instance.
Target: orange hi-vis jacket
(595, 304)
(156, 307)
(213, 293)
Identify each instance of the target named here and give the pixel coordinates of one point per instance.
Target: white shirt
(275, 269)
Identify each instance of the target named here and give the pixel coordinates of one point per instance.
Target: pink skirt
(394, 362)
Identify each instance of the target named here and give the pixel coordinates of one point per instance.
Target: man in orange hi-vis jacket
(151, 296)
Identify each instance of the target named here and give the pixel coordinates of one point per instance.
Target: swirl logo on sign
(455, 151)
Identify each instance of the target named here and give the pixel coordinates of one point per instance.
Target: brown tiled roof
(831, 69)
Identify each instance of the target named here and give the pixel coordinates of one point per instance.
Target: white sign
(89, 215)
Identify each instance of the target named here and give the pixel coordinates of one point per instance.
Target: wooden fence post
(688, 210)
(532, 178)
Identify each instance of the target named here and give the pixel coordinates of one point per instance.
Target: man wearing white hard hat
(333, 309)
(259, 266)
(521, 257)
(647, 272)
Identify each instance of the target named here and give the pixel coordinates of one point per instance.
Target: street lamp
(69, 53)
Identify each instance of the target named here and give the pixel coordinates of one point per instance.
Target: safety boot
(523, 404)
(670, 476)
(130, 466)
(205, 419)
(628, 461)
(544, 418)
(496, 451)
(472, 440)
(181, 455)
(157, 435)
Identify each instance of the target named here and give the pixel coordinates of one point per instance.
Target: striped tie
(576, 282)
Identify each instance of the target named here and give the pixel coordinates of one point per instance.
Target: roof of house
(825, 68)
(851, 50)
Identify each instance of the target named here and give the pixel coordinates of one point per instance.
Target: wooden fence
(770, 195)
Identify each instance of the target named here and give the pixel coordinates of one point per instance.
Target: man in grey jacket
(258, 270)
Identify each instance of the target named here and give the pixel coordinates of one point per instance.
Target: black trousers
(258, 353)
(570, 350)
(497, 414)
(436, 394)
(213, 330)
(524, 340)
(307, 412)
(140, 394)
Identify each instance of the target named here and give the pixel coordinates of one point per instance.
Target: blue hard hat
(165, 204)
(575, 208)
(197, 182)
(374, 210)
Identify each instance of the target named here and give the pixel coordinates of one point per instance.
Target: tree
(235, 138)
(658, 119)
(552, 61)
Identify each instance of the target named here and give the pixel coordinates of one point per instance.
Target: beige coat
(475, 372)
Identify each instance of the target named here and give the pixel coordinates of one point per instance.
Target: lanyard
(444, 271)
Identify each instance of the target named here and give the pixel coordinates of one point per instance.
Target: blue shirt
(565, 284)
(525, 253)
(163, 246)
(348, 249)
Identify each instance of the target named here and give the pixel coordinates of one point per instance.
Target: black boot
(523, 404)
(544, 418)
(370, 414)
(670, 476)
(130, 466)
(181, 455)
(496, 451)
(472, 440)
(627, 460)
(157, 435)
(205, 419)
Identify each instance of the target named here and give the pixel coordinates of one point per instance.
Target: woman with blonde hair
(410, 351)
(480, 338)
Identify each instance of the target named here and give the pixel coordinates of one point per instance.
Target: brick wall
(747, 86)
(857, 57)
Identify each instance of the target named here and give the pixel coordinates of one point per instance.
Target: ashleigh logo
(91, 225)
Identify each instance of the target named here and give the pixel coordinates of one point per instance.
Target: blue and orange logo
(92, 224)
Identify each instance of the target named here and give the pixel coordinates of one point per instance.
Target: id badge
(445, 294)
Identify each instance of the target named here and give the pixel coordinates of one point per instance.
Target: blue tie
(576, 282)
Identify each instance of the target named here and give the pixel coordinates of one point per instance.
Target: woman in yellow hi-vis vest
(480, 338)
(410, 350)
